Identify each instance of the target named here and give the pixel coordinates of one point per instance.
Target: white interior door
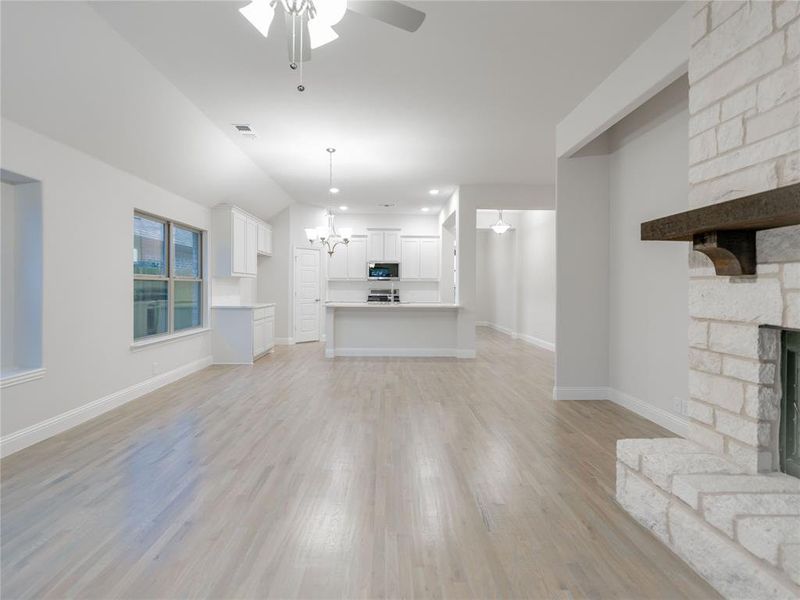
(306, 295)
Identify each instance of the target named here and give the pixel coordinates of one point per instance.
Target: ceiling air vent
(245, 130)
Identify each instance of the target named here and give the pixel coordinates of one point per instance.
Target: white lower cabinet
(240, 334)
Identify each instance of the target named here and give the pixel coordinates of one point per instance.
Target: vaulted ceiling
(472, 97)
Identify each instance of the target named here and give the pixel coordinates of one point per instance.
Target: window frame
(170, 278)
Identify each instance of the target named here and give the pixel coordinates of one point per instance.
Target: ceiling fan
(309, 23)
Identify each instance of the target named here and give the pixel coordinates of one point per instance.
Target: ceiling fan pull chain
(301, 87)
(293, 64)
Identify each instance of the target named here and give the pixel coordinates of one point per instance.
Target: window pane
(150, 309)
(187, 304)
(187, 252)
(149, 246)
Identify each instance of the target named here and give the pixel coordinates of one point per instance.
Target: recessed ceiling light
(342, 208)
(425, 209)
(433, 192)
(333, 190)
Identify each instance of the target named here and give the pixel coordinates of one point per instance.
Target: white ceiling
(472, 97)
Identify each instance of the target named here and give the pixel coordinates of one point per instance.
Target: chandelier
(501, 226)
(327, 236)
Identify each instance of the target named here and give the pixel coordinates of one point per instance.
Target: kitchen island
(392, 329)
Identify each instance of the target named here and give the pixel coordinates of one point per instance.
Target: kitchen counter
(249, 306)
(421, 329)
(392, 305)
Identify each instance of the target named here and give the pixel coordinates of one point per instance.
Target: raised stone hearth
(740, 531)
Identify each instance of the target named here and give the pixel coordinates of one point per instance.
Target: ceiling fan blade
(390, 12)
(301, 40)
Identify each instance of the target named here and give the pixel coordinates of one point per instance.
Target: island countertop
(393, 305)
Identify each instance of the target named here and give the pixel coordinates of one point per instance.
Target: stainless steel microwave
(383, 271)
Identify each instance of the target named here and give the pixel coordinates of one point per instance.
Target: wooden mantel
(726, 232)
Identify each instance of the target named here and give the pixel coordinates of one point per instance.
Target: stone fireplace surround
(715, 498)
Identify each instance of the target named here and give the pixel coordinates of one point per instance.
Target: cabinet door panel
(357, 259)
(259, 337)
(262, 238)
(269, 333)
(238, 243)
(409, 262)
(337, 263)
(391, 246)
(429, 259)
(251, 248)
(375, 242)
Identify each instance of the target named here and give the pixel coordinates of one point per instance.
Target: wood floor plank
(302, 477)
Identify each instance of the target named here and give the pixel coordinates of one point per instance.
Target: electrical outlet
(678, 405)
(156, 368)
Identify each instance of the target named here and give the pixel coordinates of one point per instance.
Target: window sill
(18, 376)
(166, 339)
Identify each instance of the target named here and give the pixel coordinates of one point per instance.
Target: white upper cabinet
(264, 239)
(236, 241)
(357, 258)
(429, 258)
(349, 262)
(419, 257)
(409, 262)
(337, 263)
(383, 245)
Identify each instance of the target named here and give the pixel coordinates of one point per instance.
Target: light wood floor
(306, 477)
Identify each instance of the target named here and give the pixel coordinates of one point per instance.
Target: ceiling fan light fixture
(260, 14)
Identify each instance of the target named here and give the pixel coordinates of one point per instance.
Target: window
(167, 277)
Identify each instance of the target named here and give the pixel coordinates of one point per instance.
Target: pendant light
(501, 226)
(327, 236)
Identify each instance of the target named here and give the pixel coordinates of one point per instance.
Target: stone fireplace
(718, 498)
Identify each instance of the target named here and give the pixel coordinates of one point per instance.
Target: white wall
(465, 202)
(582, 277)
(497, 274)
(648, 284)
(8, 277)
(274, 273)
(515, 276)
(536, 287)
(88, 285)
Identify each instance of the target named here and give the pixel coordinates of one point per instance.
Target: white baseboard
(677, 424)
(534, 341)
(398, 352)
(41, 431)
(528, 339)
(284, 341)
(580, 393)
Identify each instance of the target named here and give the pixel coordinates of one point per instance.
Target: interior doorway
(306, 295)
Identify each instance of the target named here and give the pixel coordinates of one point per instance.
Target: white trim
(41, 431)
(284, 341)
(580, 393)
(165, 339)
(677, 424)
(528, 339)
(657, 62)
(534, 341)
(22, 376)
